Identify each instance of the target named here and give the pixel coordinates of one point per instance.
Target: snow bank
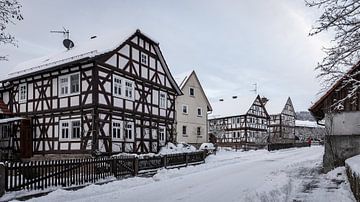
(354, 164)
(209, 146)
(171, 148)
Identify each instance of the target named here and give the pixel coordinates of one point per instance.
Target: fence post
(165, 161)
(136, 166)
(2, 179)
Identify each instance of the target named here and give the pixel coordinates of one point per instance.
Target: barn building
(341, 112)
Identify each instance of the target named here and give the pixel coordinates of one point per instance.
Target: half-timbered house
(110, 95)
(192, 110)
(341, 112)
(282, 123)
(239, 119)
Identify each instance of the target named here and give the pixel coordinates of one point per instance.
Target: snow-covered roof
(91, 48)
(232, 107)
(309, 124)
(182, 78)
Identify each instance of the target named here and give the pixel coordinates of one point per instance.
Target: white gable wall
(191, 120)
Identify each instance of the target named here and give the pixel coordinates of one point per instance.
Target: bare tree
(9, 14)
(343, 18)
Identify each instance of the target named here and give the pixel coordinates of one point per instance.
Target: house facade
(341, 112)
(282, 125)
(239, 120)
(192, 110)
(107, 96)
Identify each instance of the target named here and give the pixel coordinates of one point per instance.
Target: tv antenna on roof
(66, 42)
(255, 90)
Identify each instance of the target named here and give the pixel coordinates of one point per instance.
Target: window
(65, 130)
(199, 111)
(5, 130)
(238, 120)
(70, 129)
(198, 131)
(162, 100)
(191, 91)
(126, 91)
(162, 132)
(116, 130)
(22, 92)
(129, 131)
(117, 86)
(64, 86)
(75, 83)
(75, 133)
(129, 89)
(184, 130)
(143, 58)
(185, 109)
(69, 84)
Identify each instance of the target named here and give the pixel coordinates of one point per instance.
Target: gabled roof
(274, 108)
(232, 107)
(95, 47)
(182, 78)
(317, 104)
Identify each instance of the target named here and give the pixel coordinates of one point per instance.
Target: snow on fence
(353, 173)
(36, 175)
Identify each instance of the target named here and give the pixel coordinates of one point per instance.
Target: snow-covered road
(285, 175)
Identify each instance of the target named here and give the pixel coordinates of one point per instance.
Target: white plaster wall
(344, 123)
(191, 120)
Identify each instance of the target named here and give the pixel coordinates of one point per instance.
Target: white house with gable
(192, 110)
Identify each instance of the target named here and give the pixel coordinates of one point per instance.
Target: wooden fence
(278, 146)
(35, 175)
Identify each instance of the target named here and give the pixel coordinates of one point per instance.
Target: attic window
(143, 58)
(191, 91)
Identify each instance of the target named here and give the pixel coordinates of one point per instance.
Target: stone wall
(338, 148)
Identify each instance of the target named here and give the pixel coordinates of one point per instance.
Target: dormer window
(143, 58)
(191, 91)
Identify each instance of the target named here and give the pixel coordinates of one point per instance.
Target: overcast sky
(230, 44)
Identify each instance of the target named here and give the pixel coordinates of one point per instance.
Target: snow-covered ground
(285, 175)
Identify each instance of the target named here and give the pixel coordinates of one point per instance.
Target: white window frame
(126, 91)
(131, 124)
(68, 85)
(201, 112)
(193, 89)
(118, 86)
(163, 100)
(70, 130)
(162, 134)
(185, 107)
(119, 130)
(23, 93)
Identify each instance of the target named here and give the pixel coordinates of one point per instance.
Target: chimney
(264, 100)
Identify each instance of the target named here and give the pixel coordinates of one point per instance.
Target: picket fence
(36, 175)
